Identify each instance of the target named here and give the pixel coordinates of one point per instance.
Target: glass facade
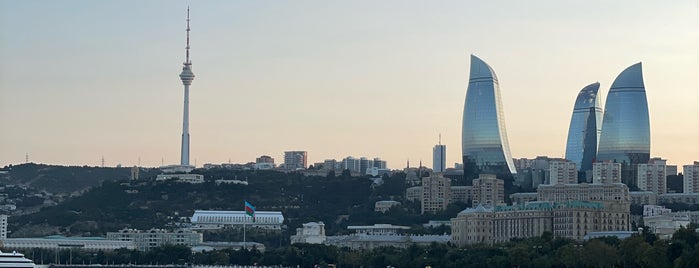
(484, 139)
(585, 128)
(625, 136)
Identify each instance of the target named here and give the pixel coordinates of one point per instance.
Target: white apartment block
(652, 176)
(436, 193)
(488, 190)
(562, 172)
(691, 178)
(606, 172)
(310, 233)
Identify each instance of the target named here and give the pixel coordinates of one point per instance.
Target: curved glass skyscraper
(625, 134)
(484, 138)
(585, 128)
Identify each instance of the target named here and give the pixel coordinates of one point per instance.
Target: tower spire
(187, 62)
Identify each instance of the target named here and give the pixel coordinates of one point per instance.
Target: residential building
(643, 198)
(488, 191)
(606, 172)
(652, 176)
(691, 178)
(294, 160)
(436, 193)
(563, 172)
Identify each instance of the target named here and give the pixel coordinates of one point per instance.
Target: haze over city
(80, 80)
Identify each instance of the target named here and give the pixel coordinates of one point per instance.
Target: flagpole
(244, 221)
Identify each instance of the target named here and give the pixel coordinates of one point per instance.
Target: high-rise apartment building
(380, 164)
(562, 171)
(585, 128)
(691, 178)
(652, 176)
(351, 164)
(436, 193)
(485, 146)
(625, 136)
(488, 191)
(606, 172)
(439, 158)
(295, 160)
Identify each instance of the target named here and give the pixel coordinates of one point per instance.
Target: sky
(83, 80)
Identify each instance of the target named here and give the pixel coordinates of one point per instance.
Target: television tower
(186, 76)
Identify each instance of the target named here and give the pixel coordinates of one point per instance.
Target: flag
(250, 210)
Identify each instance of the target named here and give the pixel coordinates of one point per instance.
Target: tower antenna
(187, 62)
(440, 138)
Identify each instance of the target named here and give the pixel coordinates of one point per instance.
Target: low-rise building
(215, 219)
(182, 178)
(145, 240)
(643, 198)
(62, 242)
(686, 198)
(383, 235)
(384, 206)
(310, 233)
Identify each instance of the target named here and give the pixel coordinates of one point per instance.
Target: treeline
(337, 201)
(640, 250)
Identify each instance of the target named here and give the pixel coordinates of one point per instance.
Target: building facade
(652, 176)
(606, 172)
(485, 147)
(439, 158)
(585, 128)
(564, 172)
(145, 240)
(436, 193)
(62, 242)
(310, 233)
(488, 191)
(294, 160)
(625, 136)
(690, 182)
(217, 219)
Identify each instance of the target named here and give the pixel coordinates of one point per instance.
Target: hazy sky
(84, 79)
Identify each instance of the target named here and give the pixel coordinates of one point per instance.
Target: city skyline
(78, 81)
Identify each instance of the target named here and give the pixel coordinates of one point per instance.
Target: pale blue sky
(82, 79)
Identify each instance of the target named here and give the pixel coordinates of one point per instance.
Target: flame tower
(484, 140)
(187, 76)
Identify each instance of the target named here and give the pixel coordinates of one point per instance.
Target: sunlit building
(585, 128)
(691, 178)
(625, 136)
(485, 146)
(652, 176)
